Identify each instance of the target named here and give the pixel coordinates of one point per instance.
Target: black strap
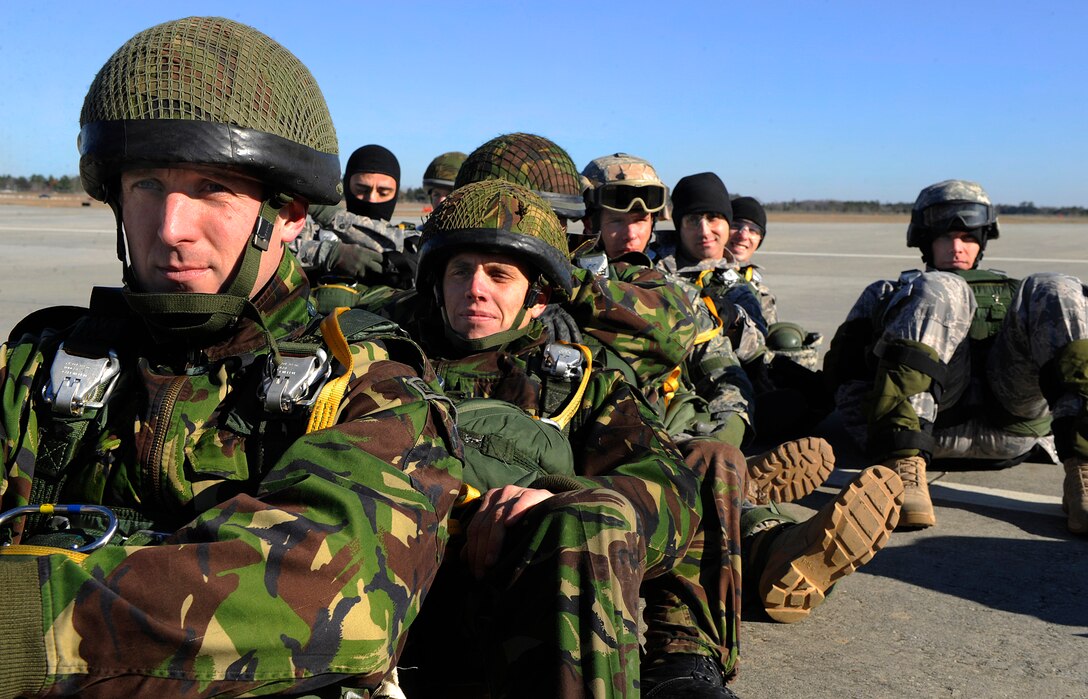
(911, 357)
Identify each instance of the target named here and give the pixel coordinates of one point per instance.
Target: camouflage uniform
(965, 363)
(720, 281)
(686, 514)
(232, 508)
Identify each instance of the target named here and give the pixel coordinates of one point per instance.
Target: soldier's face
(955, 250)
(703, 236)
(744, 239)
(438, 195)
(373, 187)
(187, 227)
(623, 232)
(483, 293)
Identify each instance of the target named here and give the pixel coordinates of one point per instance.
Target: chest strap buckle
(295, 382)
(77, 382)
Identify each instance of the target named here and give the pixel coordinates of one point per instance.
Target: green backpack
(504, 445)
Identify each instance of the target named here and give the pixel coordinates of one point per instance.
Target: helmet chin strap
(493, 340)
(188, 317)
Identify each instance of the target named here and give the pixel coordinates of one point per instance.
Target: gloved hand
(354, 261)
(561, 326)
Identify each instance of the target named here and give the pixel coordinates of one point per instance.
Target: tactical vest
(993, 293)
(299, 394)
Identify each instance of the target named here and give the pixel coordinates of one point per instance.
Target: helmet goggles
(624, 197)
(944, 216)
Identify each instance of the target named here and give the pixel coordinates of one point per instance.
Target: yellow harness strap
(709, 334)
(327, 405)
(702, 276)
(564, 416)
(32, 550)
(670, 385)
(748, 272)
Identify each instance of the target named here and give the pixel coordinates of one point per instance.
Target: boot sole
(790, 471)
(849, 532)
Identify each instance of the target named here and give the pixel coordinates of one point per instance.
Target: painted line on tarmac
(964, 494)
(35, 229)
(875, 256)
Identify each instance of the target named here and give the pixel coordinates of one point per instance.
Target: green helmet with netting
(442, 172)
(533, 162)
(211, 91)
(500, 217)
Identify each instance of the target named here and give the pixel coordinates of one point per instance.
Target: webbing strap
(702, 276)
(749, 271)
(563, 417)
(671, 385)
(327, 404)
(31, 550)
(913, 358)
(710, 333)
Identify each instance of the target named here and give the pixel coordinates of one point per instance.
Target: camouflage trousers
(693, 604)
(555, 617)
(936, 309)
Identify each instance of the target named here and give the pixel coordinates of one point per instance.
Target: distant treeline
(833, 206)
(69, 184)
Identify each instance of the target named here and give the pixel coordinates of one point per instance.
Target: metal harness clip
(563, 361)
(77, 382)
(295, 382)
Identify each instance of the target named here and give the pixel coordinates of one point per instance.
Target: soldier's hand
(500, 508)
(355, 261)
(561, 326)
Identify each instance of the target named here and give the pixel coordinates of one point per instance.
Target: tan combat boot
(1075, 494)
(790, 471)
(917, 507)
(804, 560)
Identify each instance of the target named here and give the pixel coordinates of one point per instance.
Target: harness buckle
(295, 382)
(563, 361)
(77, 382)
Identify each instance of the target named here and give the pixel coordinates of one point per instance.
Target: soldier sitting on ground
(954, 361)
(249, 502)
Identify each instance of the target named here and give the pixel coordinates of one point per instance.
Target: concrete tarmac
(992, 602)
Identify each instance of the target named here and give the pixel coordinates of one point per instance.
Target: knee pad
(906, 368)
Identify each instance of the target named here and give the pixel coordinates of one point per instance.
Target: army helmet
(495, 216)
(951, 205)
(212, 91)
(442, 172)
(533, 162)
(621, 182)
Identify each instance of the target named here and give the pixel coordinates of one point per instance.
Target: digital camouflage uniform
(685, 517)
(252, 556)
(964, 364)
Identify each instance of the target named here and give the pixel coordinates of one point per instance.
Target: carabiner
(49, 509)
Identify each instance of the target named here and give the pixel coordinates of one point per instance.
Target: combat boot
(684, 676)
(917, 507)
(1075, 494)
(804, 560)
(790, 471)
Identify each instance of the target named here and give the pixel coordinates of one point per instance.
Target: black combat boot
(684, 676)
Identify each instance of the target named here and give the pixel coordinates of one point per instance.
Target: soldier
(623, 205)
(249, 503)
(703, 212)
(493, 256)
(372, 182)
(440, 175)
(746, 233)
(959, 362)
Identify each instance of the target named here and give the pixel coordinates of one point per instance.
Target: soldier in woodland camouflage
(278, 526)
(493, 253)
(440, 175)
(959, 362)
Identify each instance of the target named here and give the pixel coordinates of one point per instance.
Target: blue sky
(784, 100)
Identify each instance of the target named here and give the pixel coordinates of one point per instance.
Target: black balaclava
(372, 158)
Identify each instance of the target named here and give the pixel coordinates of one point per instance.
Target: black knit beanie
(704, 193)
(749, 209)
(372, 158)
